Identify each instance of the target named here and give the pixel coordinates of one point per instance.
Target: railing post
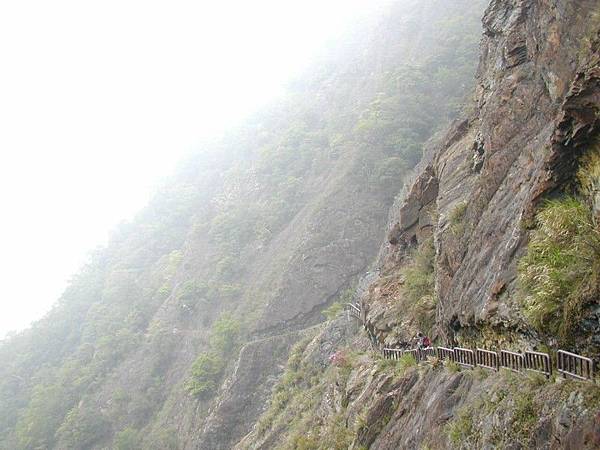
(487, 359)
(445, 353)
(511, 360)
(538, 362)
(575, 366)
(465, 357)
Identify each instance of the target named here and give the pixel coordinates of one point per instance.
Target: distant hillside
(492, 249)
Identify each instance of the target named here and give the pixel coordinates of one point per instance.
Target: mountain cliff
(387, 177)
(495, 245)
(173, 335)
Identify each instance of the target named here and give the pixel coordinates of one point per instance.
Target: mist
(100, 101)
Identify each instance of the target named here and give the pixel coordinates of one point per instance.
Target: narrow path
(568, 364)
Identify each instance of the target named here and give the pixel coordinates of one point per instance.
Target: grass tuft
(560, 273)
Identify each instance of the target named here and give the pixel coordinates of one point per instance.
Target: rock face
(264, 229)
(536, 112)
(417, 407)
(384, 406)
(316, 354)
(243, 399)
(147, 309)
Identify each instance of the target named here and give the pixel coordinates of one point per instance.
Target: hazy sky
(98, 100)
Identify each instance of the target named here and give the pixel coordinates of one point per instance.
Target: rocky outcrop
(536, 112)
(244, 396)
(375, 404)
(316, 354)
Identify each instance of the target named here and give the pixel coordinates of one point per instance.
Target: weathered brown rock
(537, 97)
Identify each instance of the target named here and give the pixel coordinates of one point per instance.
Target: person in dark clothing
(419, 338)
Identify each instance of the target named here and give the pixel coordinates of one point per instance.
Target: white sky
(99, 100)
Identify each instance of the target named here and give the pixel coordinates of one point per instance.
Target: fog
(99, 100)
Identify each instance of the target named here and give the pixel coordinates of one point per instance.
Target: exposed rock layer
(536, 113)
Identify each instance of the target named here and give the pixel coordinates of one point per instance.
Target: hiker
(426, 342)
(419, 338)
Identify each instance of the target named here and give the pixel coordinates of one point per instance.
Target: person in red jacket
(426, 342)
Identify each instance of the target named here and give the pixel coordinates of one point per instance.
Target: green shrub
(457, 219)
(588, 177)
(224, 334)
(190, 291)
(206, 371)
(452, 366)
(290, 390)
(333, 311)
(162, 439)
(461, 427)
(419, 274)
(82, 428)
(127, 439)
(305, 442)
(525, 415)
(407, 360)
(419, 285)
(560, 272)
(37, 424)
(337, 435)
(400, 366)
(480, 373)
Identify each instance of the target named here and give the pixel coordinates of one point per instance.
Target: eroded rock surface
(536, 112)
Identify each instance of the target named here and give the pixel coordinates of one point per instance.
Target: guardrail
(415, 354)
(464, 357)
(487, 359)
(511, 360)
(575, 366)
(568, 364)
(353, 310)
(425, 353)
(392, 353)
(445, 353)
(538, 362)
(419, 354)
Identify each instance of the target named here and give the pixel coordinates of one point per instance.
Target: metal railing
(538, 362)
(487, 359)
(511, 360)
(464, 357)
(353, 311)
(570, 364)
(445, 353)
(415, 353)
(425, 353)
(392, 353)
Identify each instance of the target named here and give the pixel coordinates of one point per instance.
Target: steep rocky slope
(536, 114)
(188, 314)
(200, 325)
(362, 401)
(451, 264)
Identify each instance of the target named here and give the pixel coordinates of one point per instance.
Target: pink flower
(338, 359)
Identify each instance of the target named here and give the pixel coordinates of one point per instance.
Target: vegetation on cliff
(560, 274)
(419, 280)
(474, 267)
(302, 186)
